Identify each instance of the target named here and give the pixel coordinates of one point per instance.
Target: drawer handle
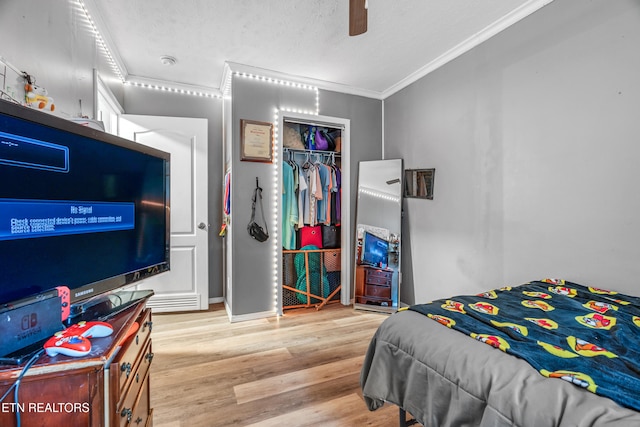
(139, 420)
(149, 356)
(148, 323)
(126, 368)
(126, 412)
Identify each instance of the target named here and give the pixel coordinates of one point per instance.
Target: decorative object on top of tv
(37, 96)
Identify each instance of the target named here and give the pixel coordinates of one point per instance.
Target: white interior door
(186, 285)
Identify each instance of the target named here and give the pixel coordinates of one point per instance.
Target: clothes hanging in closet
(311, 195)
(325, 182)
(289, 207)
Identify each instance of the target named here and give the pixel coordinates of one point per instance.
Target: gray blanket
(444, 378)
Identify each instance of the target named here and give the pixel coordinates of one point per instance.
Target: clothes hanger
(307, 162)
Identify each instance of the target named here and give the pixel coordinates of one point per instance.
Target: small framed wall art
(256, 139)
(418, 183)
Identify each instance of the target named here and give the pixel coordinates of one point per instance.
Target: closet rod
(297, 150)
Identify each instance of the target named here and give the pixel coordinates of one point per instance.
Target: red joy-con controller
(65, 296)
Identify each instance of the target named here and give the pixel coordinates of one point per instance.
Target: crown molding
(320, 84)
(168, 86)
(473, 41)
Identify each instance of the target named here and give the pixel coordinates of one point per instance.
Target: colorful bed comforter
(587, 336)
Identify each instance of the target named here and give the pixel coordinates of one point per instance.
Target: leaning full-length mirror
(378, 235)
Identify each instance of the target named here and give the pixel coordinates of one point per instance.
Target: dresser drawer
(135, 409)
(137, 377)
(374, 272)
(378, 291)
(126, 361)
(378, 276)
(378, 280)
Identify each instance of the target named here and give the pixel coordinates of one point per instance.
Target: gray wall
(534, 137)
(366, 131)
(139, 100)
(252, 261)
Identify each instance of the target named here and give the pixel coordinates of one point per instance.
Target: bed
(443, 377)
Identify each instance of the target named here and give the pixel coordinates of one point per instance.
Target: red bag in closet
(311, 236)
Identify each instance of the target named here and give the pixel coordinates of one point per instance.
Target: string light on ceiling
(286, 83)
(101, 42)
(122, 75)
(173, 89)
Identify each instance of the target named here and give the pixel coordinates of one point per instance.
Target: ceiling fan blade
(357, 17)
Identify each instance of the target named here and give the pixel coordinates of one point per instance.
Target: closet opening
(313, 212)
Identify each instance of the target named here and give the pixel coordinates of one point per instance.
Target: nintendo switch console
(25, 324)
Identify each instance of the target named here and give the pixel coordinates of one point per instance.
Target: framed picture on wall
(418, 183)
(257, 141)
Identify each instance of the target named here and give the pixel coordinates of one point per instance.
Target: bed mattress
(444, 378)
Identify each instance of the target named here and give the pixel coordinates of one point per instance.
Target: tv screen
(375, 250)
(78, 207)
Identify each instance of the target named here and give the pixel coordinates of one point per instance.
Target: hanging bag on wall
(254, 229)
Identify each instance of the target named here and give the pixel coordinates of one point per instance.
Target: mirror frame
(375, 184)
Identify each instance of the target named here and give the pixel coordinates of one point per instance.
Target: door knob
(202, 226)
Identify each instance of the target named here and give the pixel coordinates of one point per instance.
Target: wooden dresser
(373, 286)
(108, 387)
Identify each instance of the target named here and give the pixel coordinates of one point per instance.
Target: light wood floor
(301, 369)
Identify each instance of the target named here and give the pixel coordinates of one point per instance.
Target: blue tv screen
(375, 250)
(78, 207)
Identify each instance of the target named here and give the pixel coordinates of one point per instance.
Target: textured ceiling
(307, 38)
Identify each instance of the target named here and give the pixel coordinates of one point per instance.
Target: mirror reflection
(378, 235)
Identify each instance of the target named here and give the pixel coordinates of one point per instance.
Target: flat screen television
(375, 251)
(78, 207)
